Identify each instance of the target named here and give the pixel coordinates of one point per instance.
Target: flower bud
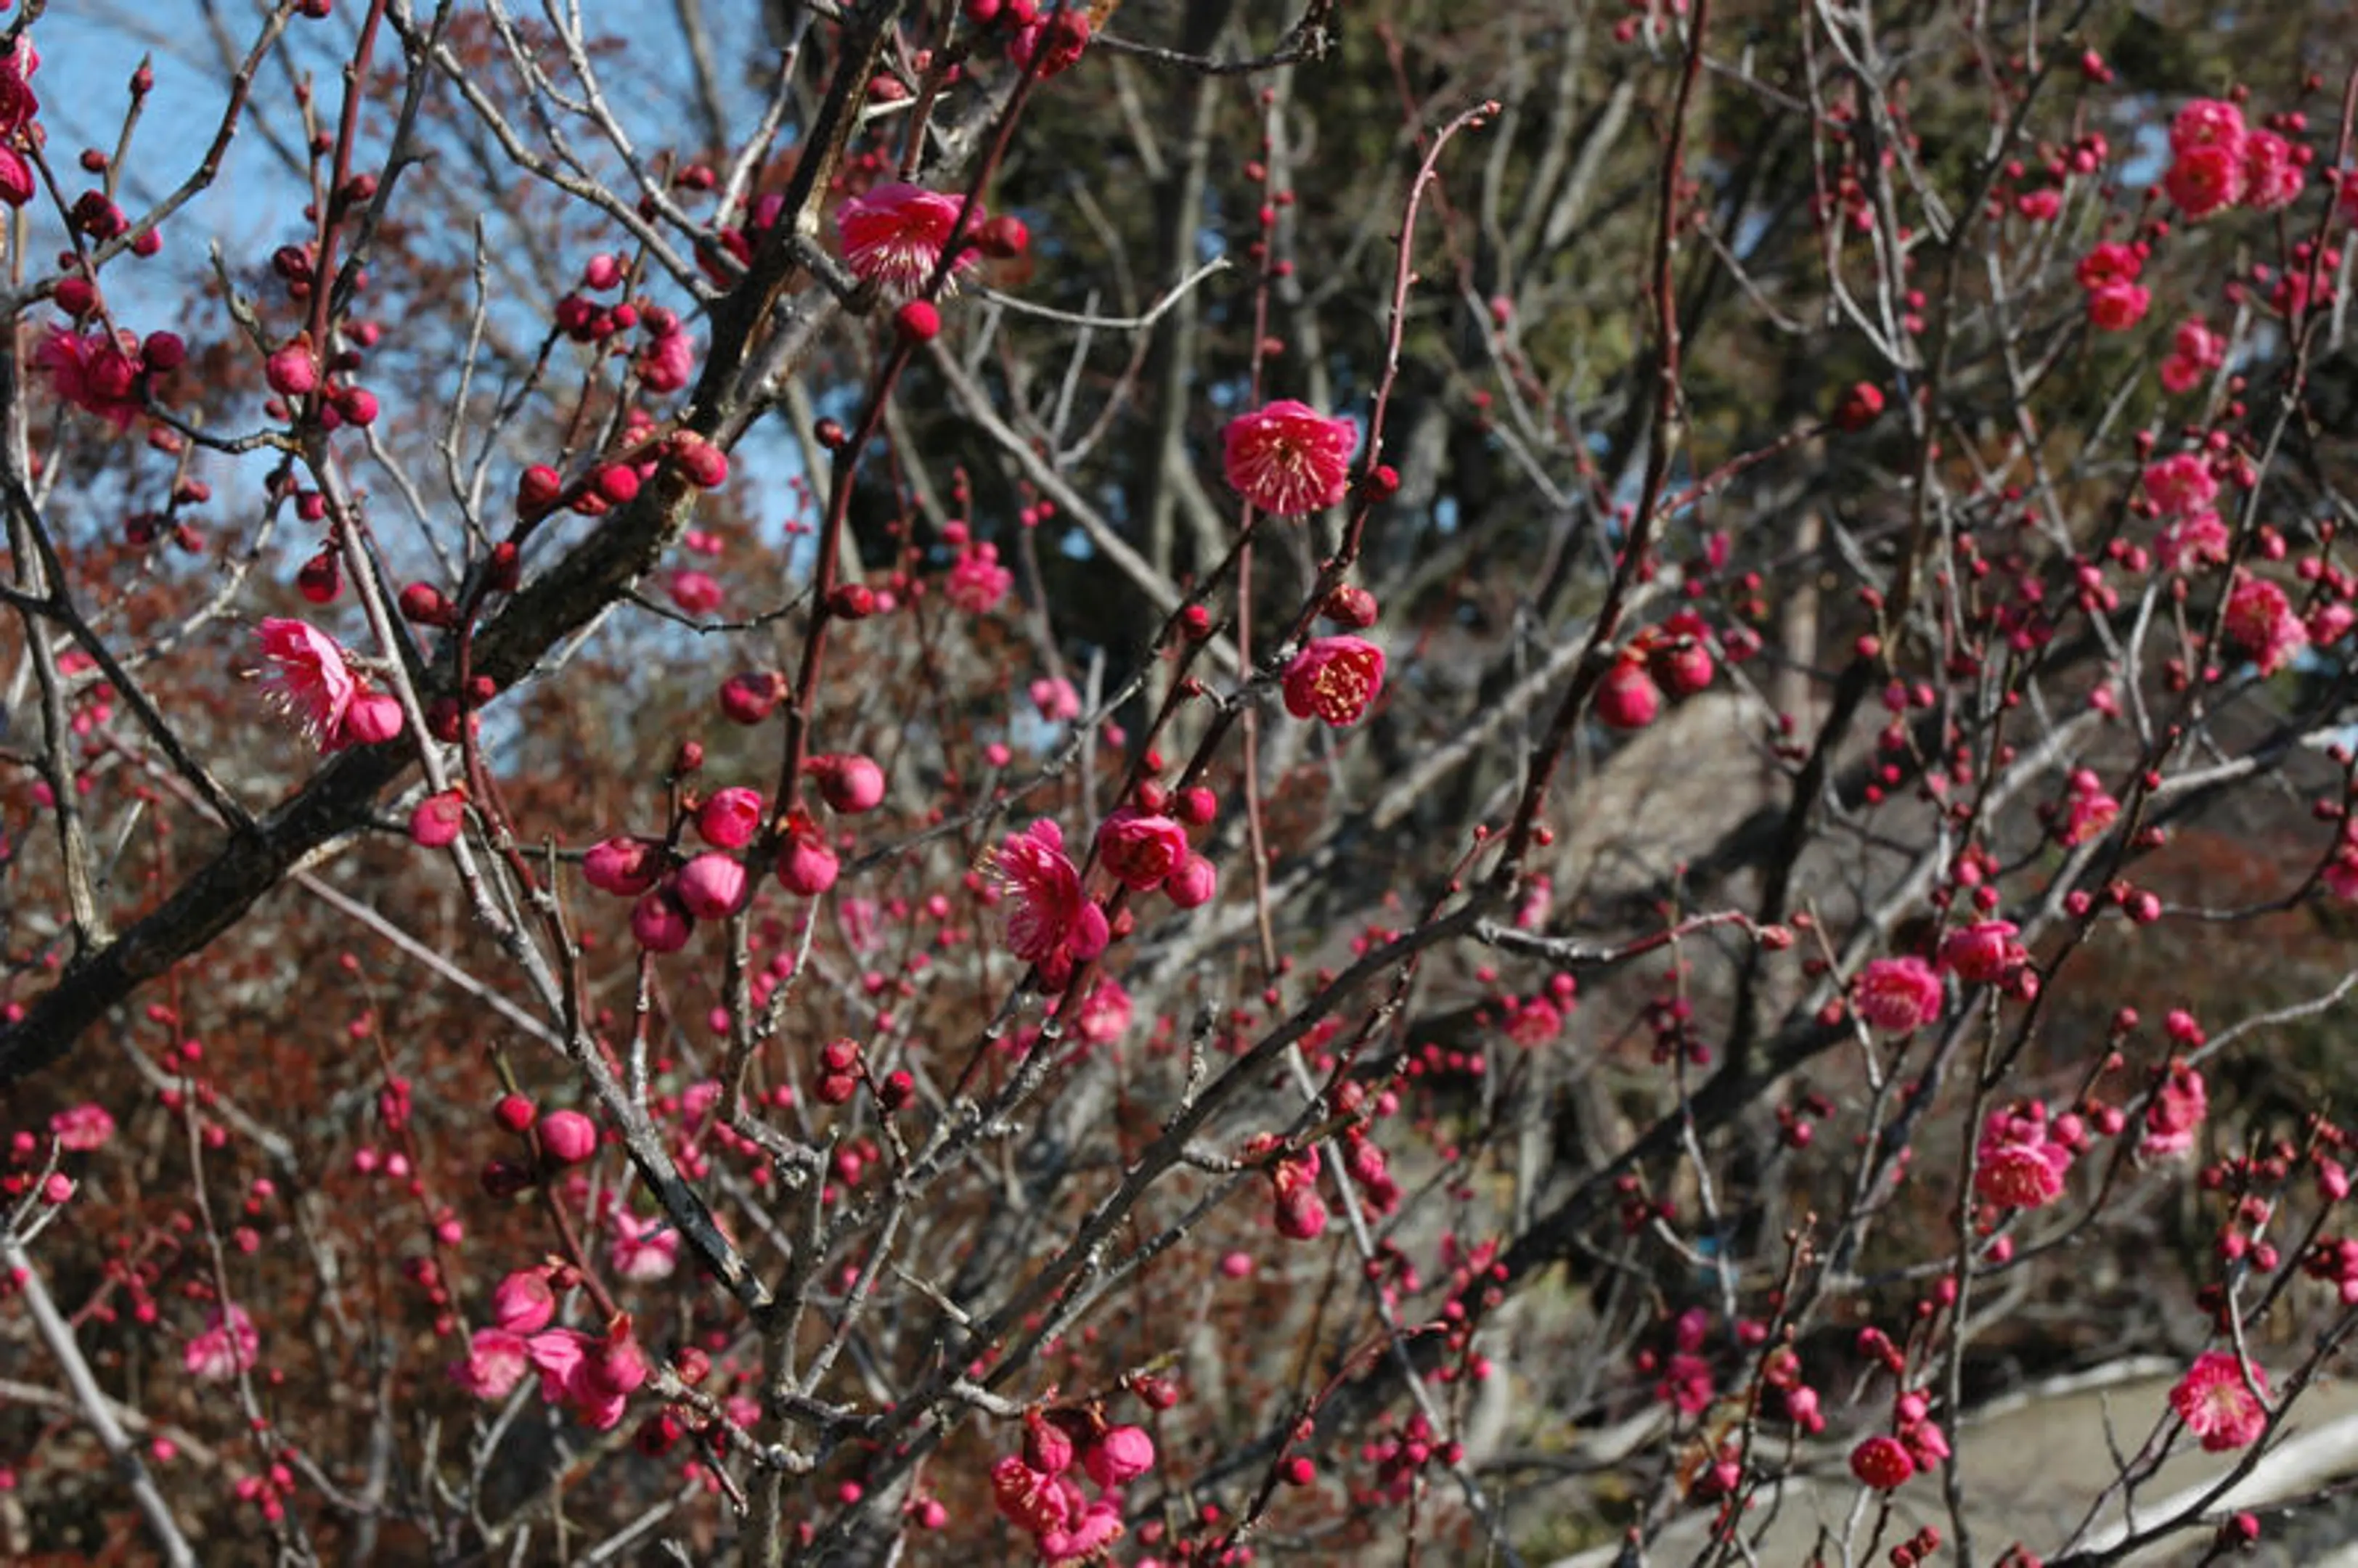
(1047, 1447)
(750, 698)
(851, 600)
(705, 465)
(1192, 884)
(1627, 698)
(439, 819)
(1861, 405)
(625, 867)
(504, 1179)
(618, 483)
(731, 818)
(423, 604)
(616, 1364)
(1300, 1213)
(76, 296)
(848, 782)
(917, 321)
(523, 1303)
(567, 1137)
(1350, 605)
(374, 719)
(660, 923)
(709, 887)
(1882, 1463)
(538, 488)
(293, 370)
(1683, 667)
(164, 351)
(17, 185)
(320, 578)
(1121, 1454)
(807, 868)
(504, 567)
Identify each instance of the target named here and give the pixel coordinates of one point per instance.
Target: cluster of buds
(592, 1375)
(2175, 1113)
(1300, 1214)
(1797, 1123)
(2334, 1261)
(842, 1069)
(1537, 1019)
(2088, 810)
(2195, 350)
(1369, 1170)
(302, 368)
(1686, 1380)
(1885, 1462)
(1051, 35)
(1035, 1491)
(1146, 850)
(674, 894)
(1399, 1456)
(1675, 658)
(558, 1138)
(665, 358)
(1918, 1548)
(2109, 275)
(1781, 1371)
(2043, 202)
(976, 582)
(17, 107)
(108, 373)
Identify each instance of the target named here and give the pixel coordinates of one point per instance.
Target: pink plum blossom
(2218, 1405)
(227, 1346)
(1288, 459)
(643, 1248)
(894, 235)
(1051, 919)
(1898, 995)
(2020, 1162)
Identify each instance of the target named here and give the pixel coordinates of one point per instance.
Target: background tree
(861, 781)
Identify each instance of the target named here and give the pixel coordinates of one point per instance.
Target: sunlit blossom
(894, 235)
(307, 677)
(2020, 1162)
(1051, 919)
(1289, 458)
(2219, 1406)
(1334, 679)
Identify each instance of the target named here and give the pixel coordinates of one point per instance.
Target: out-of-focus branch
(96, 1409)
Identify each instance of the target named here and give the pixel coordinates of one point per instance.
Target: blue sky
(88, 53)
